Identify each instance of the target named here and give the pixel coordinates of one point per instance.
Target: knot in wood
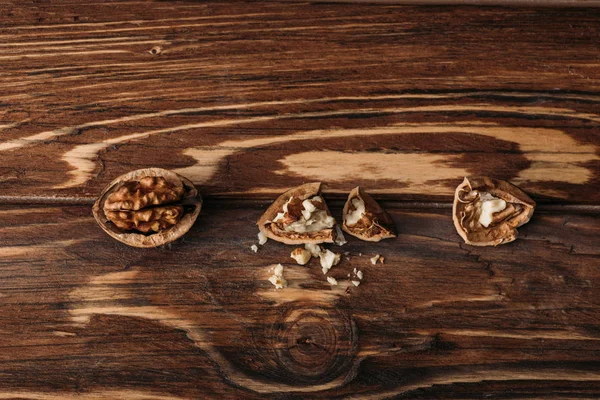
(313, 342)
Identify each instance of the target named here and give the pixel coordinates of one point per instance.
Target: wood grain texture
(520, 3)
(249, 98)
(91, 316)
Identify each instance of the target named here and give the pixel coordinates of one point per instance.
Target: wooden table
(248, 99)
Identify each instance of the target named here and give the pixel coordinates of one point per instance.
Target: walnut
(148, 207)
(299, 216)
(146, 220)
(486, 211)
(364, 218)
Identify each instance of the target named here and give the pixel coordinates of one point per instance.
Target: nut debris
(328, 259)
(332, 281)
(374, 259)
(357, 274)
(262, 238)
(315, 249)
(148, 207)
(340, 240)
(277, 278)
(364, 218)
(299, 216)
(486, 211)
(254, 248)
(302, 256)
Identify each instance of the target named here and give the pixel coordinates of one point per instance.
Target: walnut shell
(466, 211)
(374, 225)
(276, 231)
(148, 207)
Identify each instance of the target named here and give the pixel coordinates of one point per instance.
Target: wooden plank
(84, 316)
(249, 98)
(519, 3)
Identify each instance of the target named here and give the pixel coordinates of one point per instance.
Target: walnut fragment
(299, 216)
(486, 211)
(364, 218)
(148, 207)
(302, 256)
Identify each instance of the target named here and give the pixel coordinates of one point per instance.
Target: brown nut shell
(375, 224)
(273, 231)
(467, 207)
(165, 214)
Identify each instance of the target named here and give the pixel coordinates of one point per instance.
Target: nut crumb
(254, 248)
(381, 259)
(374, 259)
(302, 256)
(328, 259)
(277, 278)
(262, 238)
(356, 283)
(359, 274)
(332, 281)
(315, 249)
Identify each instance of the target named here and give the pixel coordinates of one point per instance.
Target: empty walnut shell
(470, 216)
(373, 224)
(277, 231)
(148, 207)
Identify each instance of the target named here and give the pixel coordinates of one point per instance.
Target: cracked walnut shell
(364, 218)
(486, 211)
(299, 216)
(148, 207)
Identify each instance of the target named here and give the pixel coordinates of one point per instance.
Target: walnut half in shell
(486, 211)
(364, 218)
(299, 216)
(148, 207)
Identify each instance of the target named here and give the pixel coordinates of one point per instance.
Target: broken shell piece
(374, 259)
(486, 211)
(340, 240)
(364, 218)
(302, 256)
(299, 216)
(277, 278)
(332, 281)
(328, 259)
